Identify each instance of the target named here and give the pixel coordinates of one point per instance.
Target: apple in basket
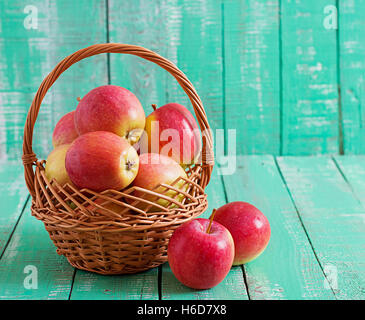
(101, 160)
(171, 130)
(65, 131)
(55, 165)
(155, 169)
(200, 253)
(111, 108)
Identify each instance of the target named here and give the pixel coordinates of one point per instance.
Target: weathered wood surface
(288, 268)
(28, 55)
(316, 211)
(333, 218)
(309, 79)
(352, 74)
(31, 252)
(251, 74)
(272, 70)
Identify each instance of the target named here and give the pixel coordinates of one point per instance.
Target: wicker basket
(93, 237)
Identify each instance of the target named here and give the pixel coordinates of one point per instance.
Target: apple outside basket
(101, 240)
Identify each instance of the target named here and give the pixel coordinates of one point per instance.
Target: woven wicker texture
(115, 232)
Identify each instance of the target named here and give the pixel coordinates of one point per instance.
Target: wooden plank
(288, 268)
(92, 286)
(13, 196)
(352, 69)
(333, 218)
(194, 44)
(145, 79)
(231, 288)
(309, 79)
(28, 55)
(252, 73)
(186, 32)
(31, 252)
(353, 168)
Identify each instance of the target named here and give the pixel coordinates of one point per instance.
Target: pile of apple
(108, 143)
(201, 252)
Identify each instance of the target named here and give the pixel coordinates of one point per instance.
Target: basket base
(116, 269)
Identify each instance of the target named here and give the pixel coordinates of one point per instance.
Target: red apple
(171, 130)
(65, 131)
(101, 160)
(155, 169)
(55, 165)
(250, 229)
(200, 259)
(111, 108)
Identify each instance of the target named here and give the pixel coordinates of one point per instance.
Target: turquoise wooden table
(315, 206)
(285, 77)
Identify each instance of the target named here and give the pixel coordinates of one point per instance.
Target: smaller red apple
(249, 227)
(65, 130)
(200, 253)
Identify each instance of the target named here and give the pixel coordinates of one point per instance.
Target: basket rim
(29, 157)
(86, 210)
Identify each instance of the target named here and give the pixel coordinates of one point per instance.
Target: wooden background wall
(268, 68)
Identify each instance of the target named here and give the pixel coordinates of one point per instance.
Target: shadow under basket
(116, 232)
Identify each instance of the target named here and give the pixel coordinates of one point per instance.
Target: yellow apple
(55, 165)
(155, 169)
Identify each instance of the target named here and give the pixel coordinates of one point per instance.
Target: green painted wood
(333, 218)
(194, 44)
(13, 197)
(352, 68)
(92, 286)
(28, 55)
(141, 23)
(30, 245)
(186, 32)
(353, 168)
(251, 74)
(288, 268)
(231, 288)
(309, 79)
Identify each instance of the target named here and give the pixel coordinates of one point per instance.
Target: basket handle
(29, 158)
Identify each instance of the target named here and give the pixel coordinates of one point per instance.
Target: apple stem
(130, 164)
(154, 106)
(211, 220)
(78, 99)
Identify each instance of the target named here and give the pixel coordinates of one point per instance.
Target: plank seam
(346, 180)
(341, 148)
(223, 77)
(242, 266)
(107, 39)
(302, 223)
(281, 124)
(72, 283)
(246, 281)
(159, 282)
(15, 226)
